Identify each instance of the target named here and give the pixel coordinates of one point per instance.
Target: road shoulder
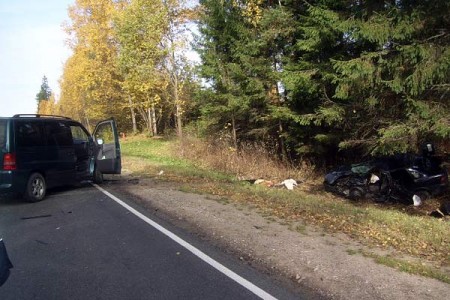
(304, 255)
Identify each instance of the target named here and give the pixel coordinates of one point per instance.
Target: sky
(32, 44)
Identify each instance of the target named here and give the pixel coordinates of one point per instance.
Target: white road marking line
(218, 266)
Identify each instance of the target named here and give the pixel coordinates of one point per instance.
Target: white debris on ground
(288, 183)
(417, 201)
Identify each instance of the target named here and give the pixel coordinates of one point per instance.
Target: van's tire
(98, 176)
(36, 188)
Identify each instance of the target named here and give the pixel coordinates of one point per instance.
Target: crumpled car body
(402, 178)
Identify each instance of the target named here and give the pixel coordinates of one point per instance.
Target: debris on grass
(288, 183)
(442, 211)
(264, 182)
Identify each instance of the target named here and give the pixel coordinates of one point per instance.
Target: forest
(316, 79)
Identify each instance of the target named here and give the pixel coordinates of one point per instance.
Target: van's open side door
(108, 157)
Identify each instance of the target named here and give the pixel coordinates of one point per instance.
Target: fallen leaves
(415, 235)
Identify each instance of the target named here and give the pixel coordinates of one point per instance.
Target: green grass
(155, 150)
(301, 229)
(409, 267)
(352, 252)
(419, 236)
(161, 153)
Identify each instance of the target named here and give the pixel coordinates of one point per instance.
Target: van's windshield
(2, 134)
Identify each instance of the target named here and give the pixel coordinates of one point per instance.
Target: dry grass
(249, 162)
(206, 168)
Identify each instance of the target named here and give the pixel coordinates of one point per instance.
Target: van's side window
(79, 135)
(105, 132)
(2, 134)
(58, 134)
(29, 134)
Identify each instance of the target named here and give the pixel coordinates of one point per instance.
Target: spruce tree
(370, 75)
(45, 91)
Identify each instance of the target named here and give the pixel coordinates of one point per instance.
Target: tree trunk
(179, 122)
(153, 120)
(277, 100)
(149, 122)
(281, 141)
(179, 111)
(133, 115)
(88, 125)
(233, 131)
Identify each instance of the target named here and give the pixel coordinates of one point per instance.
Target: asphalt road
(80, 244)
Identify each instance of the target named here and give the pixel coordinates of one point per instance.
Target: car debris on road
(289, 184)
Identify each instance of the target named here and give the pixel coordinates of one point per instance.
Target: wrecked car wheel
(356, 194)
(341, 186)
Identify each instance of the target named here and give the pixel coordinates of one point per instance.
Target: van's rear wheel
(36, 188)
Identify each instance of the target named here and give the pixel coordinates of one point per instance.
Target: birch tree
(140, 28)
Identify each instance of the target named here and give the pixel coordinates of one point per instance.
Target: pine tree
(45, 91)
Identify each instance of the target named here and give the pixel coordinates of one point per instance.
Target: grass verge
(420, 237)
(409, 267)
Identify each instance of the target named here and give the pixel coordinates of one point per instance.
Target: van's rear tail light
(9, 161)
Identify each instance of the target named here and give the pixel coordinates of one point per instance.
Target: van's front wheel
(98, 176)
(36, 188)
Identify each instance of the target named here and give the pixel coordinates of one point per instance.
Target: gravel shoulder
(304, 255)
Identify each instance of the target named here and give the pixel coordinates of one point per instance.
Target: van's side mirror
(99, 141)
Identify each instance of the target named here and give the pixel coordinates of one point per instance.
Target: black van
(41, 151)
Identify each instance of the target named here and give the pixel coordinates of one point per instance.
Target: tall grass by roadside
(202, 168)
(250, 161)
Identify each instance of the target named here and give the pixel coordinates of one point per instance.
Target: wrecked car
(400, 178)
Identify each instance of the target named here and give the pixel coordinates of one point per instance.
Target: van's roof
(40, 116)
